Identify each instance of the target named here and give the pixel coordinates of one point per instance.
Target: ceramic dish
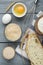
(20, 8)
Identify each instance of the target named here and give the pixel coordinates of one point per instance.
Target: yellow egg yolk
(20, 9)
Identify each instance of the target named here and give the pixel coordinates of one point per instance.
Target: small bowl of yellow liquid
(19, 10)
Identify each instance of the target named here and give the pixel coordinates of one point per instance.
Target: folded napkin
(21, 52)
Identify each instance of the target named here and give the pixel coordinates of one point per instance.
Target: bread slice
(34, 49)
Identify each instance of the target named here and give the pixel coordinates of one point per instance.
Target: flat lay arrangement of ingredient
(21, 32)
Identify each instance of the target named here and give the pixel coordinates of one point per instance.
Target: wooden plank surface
(6, 3)
(24, 23)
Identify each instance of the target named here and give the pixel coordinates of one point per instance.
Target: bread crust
(32, 63)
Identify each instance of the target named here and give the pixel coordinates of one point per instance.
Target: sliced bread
(34, 50)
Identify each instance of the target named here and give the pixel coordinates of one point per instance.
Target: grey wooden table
(24, 23)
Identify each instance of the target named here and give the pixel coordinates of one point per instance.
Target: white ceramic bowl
(22, 14)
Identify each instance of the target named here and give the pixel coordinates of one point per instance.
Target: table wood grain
(24, 23)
